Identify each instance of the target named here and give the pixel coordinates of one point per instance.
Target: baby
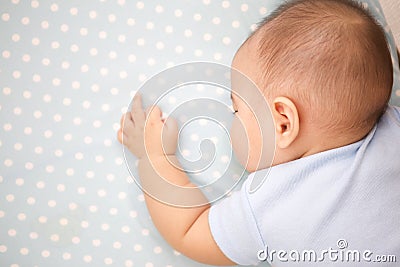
(325, 70)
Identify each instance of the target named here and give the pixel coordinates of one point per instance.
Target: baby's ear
(287, 122)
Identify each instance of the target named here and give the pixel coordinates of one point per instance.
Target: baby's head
(324, 68)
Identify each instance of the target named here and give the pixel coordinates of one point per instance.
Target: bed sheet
(68, 70)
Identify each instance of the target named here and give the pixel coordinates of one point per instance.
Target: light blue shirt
(344, 199)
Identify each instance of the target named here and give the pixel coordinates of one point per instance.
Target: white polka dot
(12, 232)
(7, 127)
(198, 52)
(130, 22)
(73, 11)
(398, 92)
(226, 40)
(102, 35)
(159, 9)
(66, 256)
(226, 4)
(112, 55)
(122, 195)
(47, 98)
(108, 261)
(117, 245)
(188, 33)
(101, 193)
(93, 208)
(92, 14)
(63, 221)
(33, 235)
(29, 165)
(46, 61)
(3, 249)
(110, 177)
(55, 45)
(15, 37)
(149, 264)
(139, 5)
(125, 229)
(140, 42)
(16, 74)
(112, 18)
(113, 211)
(45, 253)
(157, 250)
(77, 121)
(31, 201)
(61, 188)
(179, 49)
(128, 263)
(84, 68)
(8, 162)
(25, 20)
(19, 181)
(24, 251)
(235, 24)
(263, 11)
(27, 130)
(48, 134)
(42, 219)
(169, 29)
(5, 17)
(51, 203)
(97, 124)
(6, 54)
(207, 37)
(10, 197)
(38, 150)
(137, 247)
(216, 20)
(74, 48)
(197, 17)
(54, 7)
(75, 240)
(131, 58)
(145, 232)
(81, 190)
(58, 153)
(21, 216)
(64, 27)
(72, 206)
(96, 242)
(56, 82)
(83, 31)
(57, 117)
(87, 258)
(178, 13)
(84, 224)
(105, 227)
(40, 184)
(44, 24)
(36, 78)
(54, 237)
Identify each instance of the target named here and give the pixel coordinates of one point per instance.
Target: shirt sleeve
(234, 228)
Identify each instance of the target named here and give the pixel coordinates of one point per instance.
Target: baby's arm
(186, 229)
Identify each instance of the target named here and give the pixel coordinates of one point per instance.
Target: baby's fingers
(137, 112)
(153, 114)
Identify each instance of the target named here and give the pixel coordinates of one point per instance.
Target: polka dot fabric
(67, 72)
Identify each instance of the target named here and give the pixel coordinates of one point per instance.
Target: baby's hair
(331, 58)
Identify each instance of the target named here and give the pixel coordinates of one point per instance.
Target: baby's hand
(146, 134)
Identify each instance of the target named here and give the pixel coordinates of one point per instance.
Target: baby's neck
(310, 144)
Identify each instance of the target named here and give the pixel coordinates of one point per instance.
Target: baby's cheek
(239, 141)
